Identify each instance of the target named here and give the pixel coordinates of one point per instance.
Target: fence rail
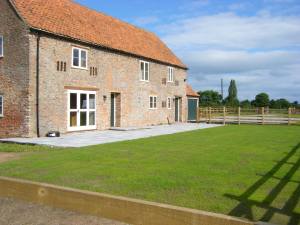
(240, 115)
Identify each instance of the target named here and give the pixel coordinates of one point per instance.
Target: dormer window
(79, 58)
(1, 46)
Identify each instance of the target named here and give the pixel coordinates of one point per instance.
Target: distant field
(245, 171)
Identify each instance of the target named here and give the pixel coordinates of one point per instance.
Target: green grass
(214, 170)
(24, 148)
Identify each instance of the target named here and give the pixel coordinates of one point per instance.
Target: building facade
(58, 80)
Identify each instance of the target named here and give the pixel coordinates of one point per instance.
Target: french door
(81, 110)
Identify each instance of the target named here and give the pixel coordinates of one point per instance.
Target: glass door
(81, 110)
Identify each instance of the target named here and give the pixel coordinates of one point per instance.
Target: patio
(89, 138)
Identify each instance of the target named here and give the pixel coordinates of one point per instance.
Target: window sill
(79, 68)
(147, 81)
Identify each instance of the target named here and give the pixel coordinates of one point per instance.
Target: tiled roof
(69, 19)
(190, 92)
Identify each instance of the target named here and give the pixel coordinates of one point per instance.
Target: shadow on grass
(244, 208)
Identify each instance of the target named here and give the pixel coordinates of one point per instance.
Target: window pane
(73, 119)
(92, 101)
(73, 101)
(83, 101)
(146, 75)
(92, 118)
(75, 57)
(1, 46)
(1, 105)
(142, 71)
(151, 102)
(83, 119)
(146, 71)
(83, 59)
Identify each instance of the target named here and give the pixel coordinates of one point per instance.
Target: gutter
(38, 85)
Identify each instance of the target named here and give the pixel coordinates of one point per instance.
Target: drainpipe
(37, 84)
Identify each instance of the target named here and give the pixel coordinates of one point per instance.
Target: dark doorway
(177, 109)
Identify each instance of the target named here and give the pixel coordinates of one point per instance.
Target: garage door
(192, 109)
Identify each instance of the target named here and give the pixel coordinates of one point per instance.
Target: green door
(192, 109)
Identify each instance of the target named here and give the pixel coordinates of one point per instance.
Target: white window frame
(78, 110)
(2, 46)
(170, 78)
(2, 106)
(143, 73)
(80, 62)
(169, 103)
(153, 103)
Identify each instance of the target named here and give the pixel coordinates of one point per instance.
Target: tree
(296, 104)
(280, 104)
(261, 100)
(232, 99)
(245, 104)
(209, 98)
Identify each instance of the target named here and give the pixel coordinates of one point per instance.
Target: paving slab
(89, 138)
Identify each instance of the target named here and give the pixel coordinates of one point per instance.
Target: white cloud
(228, 30)
(261, 52)
(218, 61)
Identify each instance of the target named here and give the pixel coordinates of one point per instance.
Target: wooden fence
(226, 115)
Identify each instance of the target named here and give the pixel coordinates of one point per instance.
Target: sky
(256, 43)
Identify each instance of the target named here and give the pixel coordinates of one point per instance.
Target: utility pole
(222, 89)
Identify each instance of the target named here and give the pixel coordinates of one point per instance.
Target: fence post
(263, 115)
(239, 115)
(209, 115)
(289, 120)
(224, 115)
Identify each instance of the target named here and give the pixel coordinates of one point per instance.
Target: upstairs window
(153, 102)
(1, 46)
(145, 71)
(79, 58)
(1, 106)
(170, 74)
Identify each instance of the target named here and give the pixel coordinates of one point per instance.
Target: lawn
(245, 171)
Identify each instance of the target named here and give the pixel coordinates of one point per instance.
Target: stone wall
(14, 71)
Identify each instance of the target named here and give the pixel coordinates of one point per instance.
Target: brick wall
(14, 70)
(116, 74)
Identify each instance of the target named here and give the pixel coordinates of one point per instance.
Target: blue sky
(256, 42)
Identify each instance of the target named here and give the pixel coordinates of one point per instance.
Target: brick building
(64, 67)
